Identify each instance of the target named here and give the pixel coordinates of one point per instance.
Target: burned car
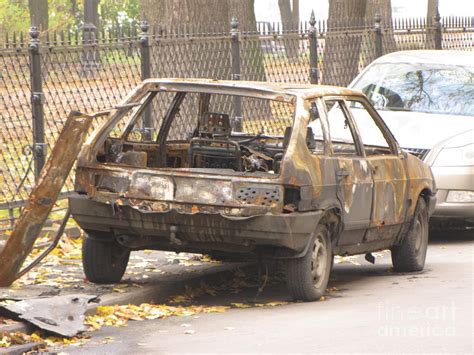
(240, 169)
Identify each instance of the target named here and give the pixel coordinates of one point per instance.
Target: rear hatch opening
(200, 149)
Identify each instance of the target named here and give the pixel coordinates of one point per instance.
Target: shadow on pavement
(452, 236)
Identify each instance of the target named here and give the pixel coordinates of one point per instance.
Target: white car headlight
(460, 196)
(458, 156)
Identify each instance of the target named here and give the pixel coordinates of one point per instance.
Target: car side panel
(390, 192)
(355, 194)
(420, 178)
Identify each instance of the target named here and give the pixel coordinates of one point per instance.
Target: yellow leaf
(275, 303)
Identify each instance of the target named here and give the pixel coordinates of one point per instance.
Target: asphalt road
(372, 311)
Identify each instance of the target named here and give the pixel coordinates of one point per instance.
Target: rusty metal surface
(63, 315)
(43, 196)
(372, 200)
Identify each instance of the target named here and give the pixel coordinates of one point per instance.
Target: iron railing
(48, 75)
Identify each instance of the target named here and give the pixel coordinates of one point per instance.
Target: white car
(426, 98)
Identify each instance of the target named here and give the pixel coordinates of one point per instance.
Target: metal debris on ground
(63, 315)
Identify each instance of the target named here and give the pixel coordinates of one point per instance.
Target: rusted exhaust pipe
(43, 196)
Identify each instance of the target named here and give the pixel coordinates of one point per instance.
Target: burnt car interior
(201, 131)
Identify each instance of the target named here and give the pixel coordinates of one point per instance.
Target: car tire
(410, 255)
(104, 262)
(308, 276)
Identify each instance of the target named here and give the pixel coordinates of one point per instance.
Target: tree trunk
(39, 14)
(202, 57)
(345, 54)
(90, 60)
(431, 13)
(432, 9)
(178, 57)
(341, 51)
(290, 18)
(243, 10)
(251, 56)
(204, 15)
(382, 9)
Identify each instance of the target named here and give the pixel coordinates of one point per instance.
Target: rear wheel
(307, 277)
(104, 262)
(410, 255)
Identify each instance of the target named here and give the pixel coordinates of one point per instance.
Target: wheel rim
(319, 261)
(419, 231)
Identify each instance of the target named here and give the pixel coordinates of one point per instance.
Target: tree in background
(204, 58)
(431, 13)
(14, 16)
(207, 15)
(112, 12)
(432, 9)
(289, 11)
(203, 16)
(39, 14)
(290, 18)
(342, 53)
(63, 14)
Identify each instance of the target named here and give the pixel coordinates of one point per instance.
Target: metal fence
(47, 75)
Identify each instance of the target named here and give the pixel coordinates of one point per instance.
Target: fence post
(235, 75)
(438, 37)
(37, 102)
(313, 51)
(147, 124)
(378, 35)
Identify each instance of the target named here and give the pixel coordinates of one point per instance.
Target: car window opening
(201, 131)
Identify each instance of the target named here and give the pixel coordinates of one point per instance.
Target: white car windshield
(416, 87)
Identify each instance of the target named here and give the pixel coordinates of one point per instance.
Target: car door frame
(355, 218)
(390, 190)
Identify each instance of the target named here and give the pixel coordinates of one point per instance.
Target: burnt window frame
(360, 151)
(379, 122)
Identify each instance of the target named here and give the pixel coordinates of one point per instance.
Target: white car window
(416, 87)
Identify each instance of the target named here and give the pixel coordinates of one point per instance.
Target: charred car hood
(425, 130)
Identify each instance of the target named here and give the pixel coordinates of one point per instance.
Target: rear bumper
(199, 231)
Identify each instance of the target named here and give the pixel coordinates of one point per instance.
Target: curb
(153, 293)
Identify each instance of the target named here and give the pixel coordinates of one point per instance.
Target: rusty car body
(248, 169)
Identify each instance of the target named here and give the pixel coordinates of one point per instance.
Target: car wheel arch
(332, 219)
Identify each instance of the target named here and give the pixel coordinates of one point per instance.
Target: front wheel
(307, 277)
(410, 255)
(104, 262)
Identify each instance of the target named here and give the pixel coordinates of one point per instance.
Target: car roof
(443, 57)
(275, 91)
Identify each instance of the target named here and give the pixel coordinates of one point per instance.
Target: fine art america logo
(417, 320)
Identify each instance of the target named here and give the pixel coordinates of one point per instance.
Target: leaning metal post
(43, 197)
(37, 102)
(378, 35)
(147, 127)
(235, 53)
(313, 51)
